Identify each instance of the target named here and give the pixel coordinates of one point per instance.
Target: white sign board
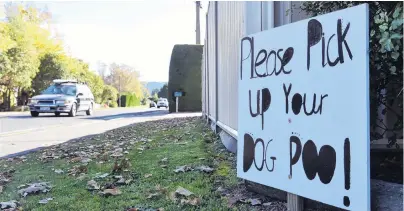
(304, 108)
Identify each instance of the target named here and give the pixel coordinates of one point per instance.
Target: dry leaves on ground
(184, 192)
(148, 175)
(59, 171)
(206, 169)
(100, 175)
(41, 187)
(9, 205)
(111, 192)
(45, 201)
(186, 197)
(183, 169)
(92, 185)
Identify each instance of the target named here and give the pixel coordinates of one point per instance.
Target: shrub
(109, 93)
(386, 56)
(113, 104)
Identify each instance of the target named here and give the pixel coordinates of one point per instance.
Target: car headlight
(63, 101)
(33, 101)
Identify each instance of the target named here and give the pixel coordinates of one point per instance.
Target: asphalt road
(20, 132)
(23, 121)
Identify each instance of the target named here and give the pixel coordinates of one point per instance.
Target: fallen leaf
(92, 185)
(148, 175)
(152, 195)
(220, 189)
(254, 202)
(111, 192)
(194, 201)
(121, 181)
(8, 204)
(173, 196)
(267, 204)
(85, 160)
(1, 189)
(164, 160)
(75, 160)
(183, 169)
(100, 175)
(45, 201)
(206, 169)
(59, 171)
(163, 166)
(184, 192)
(35, 188)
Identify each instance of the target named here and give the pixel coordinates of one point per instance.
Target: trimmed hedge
(129, 100)
(185, 75)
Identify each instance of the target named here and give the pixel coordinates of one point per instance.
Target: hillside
(154, 85)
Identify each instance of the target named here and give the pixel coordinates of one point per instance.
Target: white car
(162, 102)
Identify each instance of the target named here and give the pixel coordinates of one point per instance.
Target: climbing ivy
(386, 62)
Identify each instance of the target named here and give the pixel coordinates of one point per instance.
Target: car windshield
(61, 89)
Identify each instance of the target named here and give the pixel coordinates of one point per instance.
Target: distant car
(162, 102)
(153, 104)
(63, 96)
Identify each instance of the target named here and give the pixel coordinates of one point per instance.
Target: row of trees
(162, 92)
(32, 56)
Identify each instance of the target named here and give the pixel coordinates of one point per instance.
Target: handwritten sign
(304, 108)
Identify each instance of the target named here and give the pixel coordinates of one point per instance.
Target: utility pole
(198, 30)
(119, 98)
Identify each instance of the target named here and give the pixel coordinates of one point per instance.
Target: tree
(155, 91)
(52, 66)
(80, 71)
(24, 42)
(163, 91)
(125, 79)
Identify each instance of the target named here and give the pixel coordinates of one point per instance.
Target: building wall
(211, 60)
(229, 36)
(221, 51)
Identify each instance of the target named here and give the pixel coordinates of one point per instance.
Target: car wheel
(73, 110)
(158, 106)
(89, 112)
(34, 114)
(57, 114)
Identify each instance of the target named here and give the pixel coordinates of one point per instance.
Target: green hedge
(129, 100)
(185, 75)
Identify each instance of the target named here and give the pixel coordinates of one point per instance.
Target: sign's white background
(345, 110)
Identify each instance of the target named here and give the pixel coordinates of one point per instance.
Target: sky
(137, 33)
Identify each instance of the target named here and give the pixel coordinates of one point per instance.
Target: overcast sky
(138, 33)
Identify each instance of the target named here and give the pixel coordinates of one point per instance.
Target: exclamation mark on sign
(347, 169)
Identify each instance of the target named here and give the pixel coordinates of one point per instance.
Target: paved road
(23, 121)
(21, 132)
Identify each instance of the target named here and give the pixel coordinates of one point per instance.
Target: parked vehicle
(162, 102)
(153, 104)
(63, 96)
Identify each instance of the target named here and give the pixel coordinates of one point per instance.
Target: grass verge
(145, 154)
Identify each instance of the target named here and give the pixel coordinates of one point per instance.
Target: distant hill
(154, 85)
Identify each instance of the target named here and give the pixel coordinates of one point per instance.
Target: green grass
(70, 193)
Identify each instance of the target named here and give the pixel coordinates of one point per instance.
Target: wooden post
(176, 104)
(294, 202)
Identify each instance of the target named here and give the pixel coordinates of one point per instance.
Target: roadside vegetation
(174, 164)
(32, 55)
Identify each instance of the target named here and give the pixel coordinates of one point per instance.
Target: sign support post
(176, 104)
(177, 95)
